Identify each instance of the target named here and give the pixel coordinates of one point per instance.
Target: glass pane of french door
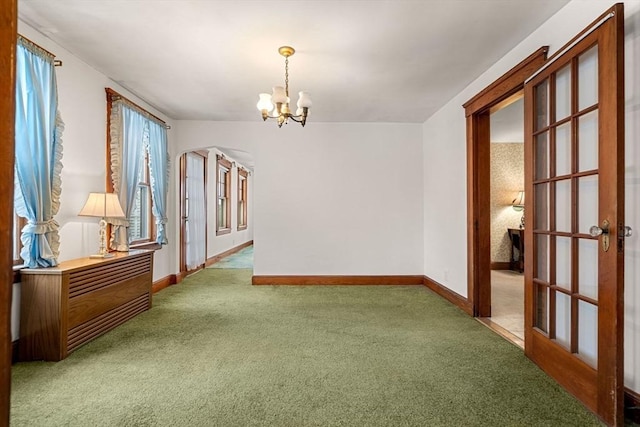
(565, 185)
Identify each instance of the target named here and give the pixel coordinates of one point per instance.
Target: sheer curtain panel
(129, 138)
(38, 142)
(159, 177)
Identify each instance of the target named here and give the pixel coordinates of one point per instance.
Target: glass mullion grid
(542, 314)
(552, 206)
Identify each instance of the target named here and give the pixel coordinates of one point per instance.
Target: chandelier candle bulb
(264, 103)
(304, 100)
(279, 95)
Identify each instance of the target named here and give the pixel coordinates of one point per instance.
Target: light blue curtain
(159, 177)
(38, 147)
(133, 135)
(129, 138)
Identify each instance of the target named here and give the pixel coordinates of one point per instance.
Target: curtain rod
(113, 95)
(56, 62)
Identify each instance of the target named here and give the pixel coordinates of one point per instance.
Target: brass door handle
(596, 231)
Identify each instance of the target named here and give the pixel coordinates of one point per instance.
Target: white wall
(82, 103)
(218, 244)
(445, 250)
(329, 199)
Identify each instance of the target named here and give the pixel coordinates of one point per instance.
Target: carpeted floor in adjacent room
(216, 351)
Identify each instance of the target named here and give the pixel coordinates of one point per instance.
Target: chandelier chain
(286, 75)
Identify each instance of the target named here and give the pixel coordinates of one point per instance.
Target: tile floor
(507, 300)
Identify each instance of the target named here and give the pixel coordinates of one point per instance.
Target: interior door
(193, 211)
(574, 165)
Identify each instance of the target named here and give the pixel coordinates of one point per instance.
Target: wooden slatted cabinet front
(63, 307)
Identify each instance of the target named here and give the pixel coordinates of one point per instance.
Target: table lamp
(102, 205)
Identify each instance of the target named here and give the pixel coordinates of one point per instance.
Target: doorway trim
(477, 111)
(184, 270)
(8, 37)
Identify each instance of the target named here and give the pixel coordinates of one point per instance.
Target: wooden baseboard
(216, 258)
(500, 265)
(336, 280)
(632, 405)
(163, 283)
(446, 293)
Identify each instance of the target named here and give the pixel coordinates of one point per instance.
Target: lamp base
(100, 256)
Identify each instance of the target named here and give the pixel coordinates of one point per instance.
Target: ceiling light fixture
(280, 98)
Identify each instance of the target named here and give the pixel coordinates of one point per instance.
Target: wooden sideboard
(516, 262)
(65, 306)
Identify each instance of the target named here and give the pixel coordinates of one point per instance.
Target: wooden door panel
(574, 159)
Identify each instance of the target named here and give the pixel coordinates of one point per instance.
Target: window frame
(243, 185)
(149, 243)
(18, 223)
(222, 162)
(151, 228)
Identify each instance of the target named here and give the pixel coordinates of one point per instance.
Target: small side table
(517, 242)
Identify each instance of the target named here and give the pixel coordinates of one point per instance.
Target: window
(141, 228)
(242, 199)
(138, 173)
(223, 207)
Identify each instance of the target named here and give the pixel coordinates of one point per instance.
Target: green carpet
(215, 351)
(241, 259)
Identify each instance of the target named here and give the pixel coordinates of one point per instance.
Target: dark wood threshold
(456, 299)
(336, 280)
(216, 258)
(500, 265)
(504, 333)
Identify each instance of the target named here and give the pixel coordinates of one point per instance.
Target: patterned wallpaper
(507, 178)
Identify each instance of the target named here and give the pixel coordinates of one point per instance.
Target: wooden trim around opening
(8, 37)
(216, 258)
(477, 111)
(336, 280)
(456, 299)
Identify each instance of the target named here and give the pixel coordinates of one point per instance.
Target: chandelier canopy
(280, 98)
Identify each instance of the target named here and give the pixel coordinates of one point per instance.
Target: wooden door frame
(477, 112)
(8, 37)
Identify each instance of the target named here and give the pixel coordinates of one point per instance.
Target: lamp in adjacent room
(278, 101)
(518, 205)
(102, 205)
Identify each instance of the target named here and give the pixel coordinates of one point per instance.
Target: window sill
(16, 273)
(242, 227)
(146, 245)
(223, 231)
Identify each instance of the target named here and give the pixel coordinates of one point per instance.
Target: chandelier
(280, 97)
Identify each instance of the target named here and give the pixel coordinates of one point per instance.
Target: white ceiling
(361, 61)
